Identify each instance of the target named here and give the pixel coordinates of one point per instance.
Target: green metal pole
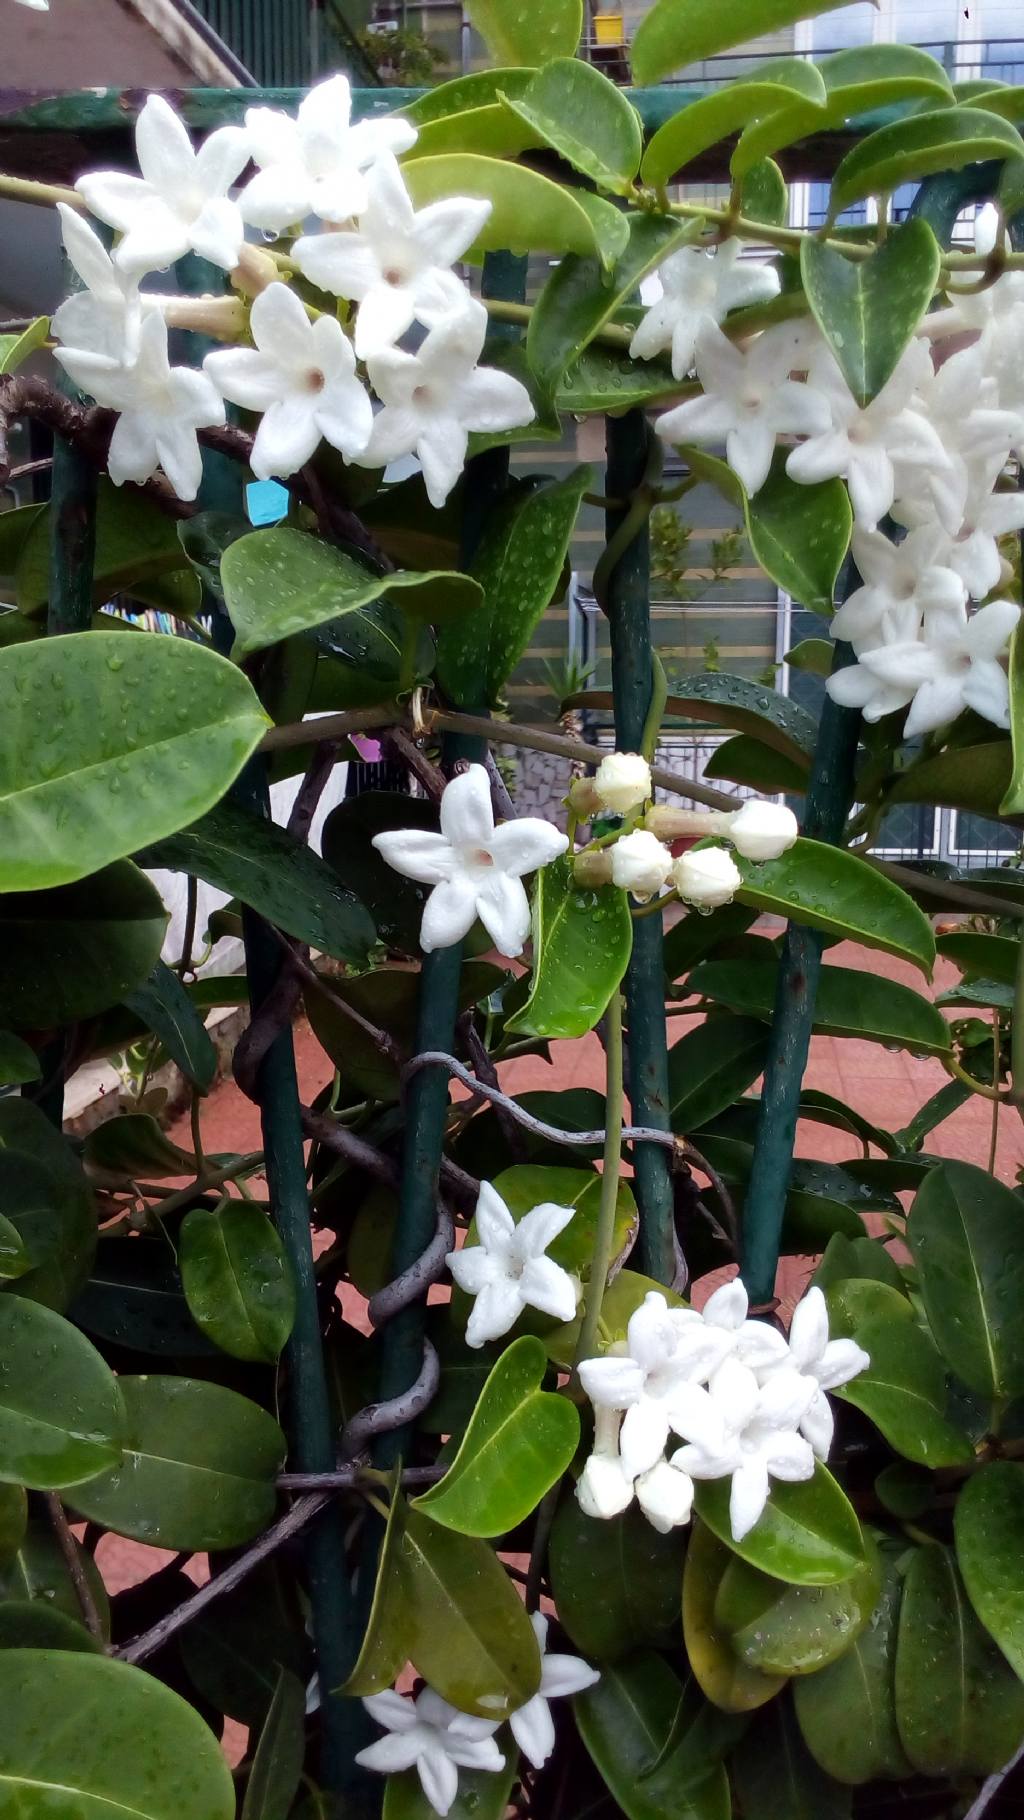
(629, 618)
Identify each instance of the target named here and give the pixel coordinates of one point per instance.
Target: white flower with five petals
(954, 666)
(748, 400)
(180, 204)
(509, 1270)
(433, 1738)
(698, 288)
(757, 1439)
(315, 164)
(560, 1675)
(829, 1362)
(398, 266)
(302, 376)
(899, 581)
(656, 1378)
(475, 868)
(435, 397)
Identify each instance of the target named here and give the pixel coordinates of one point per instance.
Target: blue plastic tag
(266, 502)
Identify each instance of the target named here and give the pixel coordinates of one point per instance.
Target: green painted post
(629, 617)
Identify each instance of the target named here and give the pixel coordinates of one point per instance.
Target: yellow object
(609, 29)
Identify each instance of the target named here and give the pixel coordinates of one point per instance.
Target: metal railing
(280, 43)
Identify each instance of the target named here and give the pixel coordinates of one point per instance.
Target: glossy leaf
(109, 741)
(586, 120)
(266, 867)
(388, 998)
(1012, 801)
(847, 1712)
(987, 957)
(71, 952)
(808, 1534)
(133, 1145)
(904, 1392)
(858, 81)
(519, 1442)
(529, 213)
(693, 938)
(744, 760)
(648, 1746)
(517, 564)
(281, 581)
(800, 535)
(606, 380)
(989, 1527)
(28, 1625)
(125, 1744)
(943, 140)
(839, 893)
(848, 1003)
(234, 1652)
(137, 553)
(61, 1413)
(133, 1297)
(728, 1682)
(465, 94)
(776, 1777)
(515, 34)
(18, 1063)
(237, 1280)
(959, 1706)
(36, 1572)
(675, 33)
(717, 115)
(16, 348)
(199, 1471)
(869, 309)
(732, 701)
(950, 783)
(58, 1226)
(582, 941)
(711, 1066)
(965, 1232)
(278, 1759)
(793, 1630)
(615, 1581)
(164, 1006)
(394, 903)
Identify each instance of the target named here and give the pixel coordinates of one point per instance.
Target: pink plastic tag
(368, 749)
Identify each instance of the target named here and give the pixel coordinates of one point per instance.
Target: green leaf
(233, 1652)
(125, 1744)
(793, 1630)
(728, 1682)
(904, 1392)
(579, 300)
(1012, 802)
(716, 116)
(199, 1471)
(615, 1581)
(959, 1706)
(693, 937)
(943, 140)
(989, 1526)
(809, 1533)
(847, 1712)
(237, 1280)
(445, 1603)
(517, 564)
(389, 999)
(28, 1625)
(868, 309)
(529, 213)
(744, 760)
(988, 957)
(265, 866)
(711, 1066)
(675, 33)
(132, 1144)
(394, 903)
(164, 1006)
(279, 1756)
(18, 1063)
(848, 1003)
(800, 535)
(519, 1442)
(609, 381)
(137, 553)
(649, 1747)
(280, 581)
(965, 1232)
(16, 349)
(110, 741)
(71, 952)
(133, 1297)
(36, 1571)
(582, 940)
(825, 888)
(516, 34)
(948, 782)
(467, 93)
(61, 1413)
(58, 1229)
(859, 81)
(586, 120)
(776, 1777)
(483, 1794)
(492, 130)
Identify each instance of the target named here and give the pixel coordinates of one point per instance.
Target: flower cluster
(305, 375)
(928, 454)
(748, 1405)
(433, 1737)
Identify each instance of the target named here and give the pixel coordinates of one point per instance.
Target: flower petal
(665, 1496)
(391, 1709)
(545, 1285)
(504, 909)
(603, 1489)
(563, 1675)
(495, 1310)
(538, 1228)
(448, 915)
(645, 1430)
(417, 853)
(612, 1382)
(748, 1496)
(467, 819)
(522, 846)
(494, 1223)
(727, 1307)
(534, 1730)
(840, 1361)
(808, 1332)
(438, 1775)
(472, 1268)
(818, 1425)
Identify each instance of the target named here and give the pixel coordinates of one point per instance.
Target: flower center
(394, 276)
(479, 856)
(422, 395)
(314, 380)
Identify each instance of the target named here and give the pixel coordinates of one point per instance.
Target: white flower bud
(604, 1489)
(762, 830)
(640, 864)
(707, 876)
(623, 781)
(666, 1496)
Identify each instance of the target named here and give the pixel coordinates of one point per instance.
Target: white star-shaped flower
(433, 1738)
(899, 581)
(161, 409)
(748, 401)
(755, 1343)
(398, 266)
(435, 397)
(475, 868)
(864, 446)
(180, 204)
(509, 1270)
(757, 1441)
(698, 288)
(532, 1726)
(315, 164)
(955, 665)
(829, 1362)
(302, 376)
(106, 316)
(669, 1353)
